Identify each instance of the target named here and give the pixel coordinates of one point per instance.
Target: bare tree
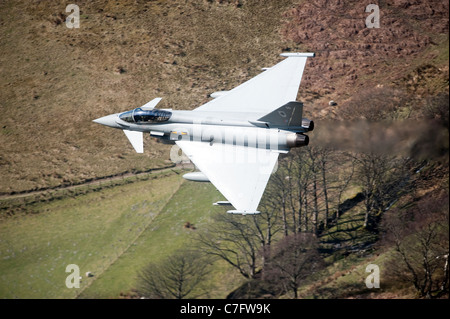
(266, 226)
(300, 178)
(314, 169)
(278, 193)
(344, 182)
(308, 186)
(177, 277)
(321, 162)
(293, 259)
(324, 157)
(420, 236)
(238, 240)
(383, 179)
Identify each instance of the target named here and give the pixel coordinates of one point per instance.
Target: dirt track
(96, 181)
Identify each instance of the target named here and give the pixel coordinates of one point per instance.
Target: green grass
(91, 231)
(348, 232)
(112, 233)
(165, 234)
(346, 278)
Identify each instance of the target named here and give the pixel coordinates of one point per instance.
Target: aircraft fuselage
(213, 127)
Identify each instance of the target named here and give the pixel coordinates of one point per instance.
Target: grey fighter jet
(234, 139)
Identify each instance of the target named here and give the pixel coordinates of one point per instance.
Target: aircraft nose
(109, 120)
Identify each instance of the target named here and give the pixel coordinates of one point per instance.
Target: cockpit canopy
(145, 116)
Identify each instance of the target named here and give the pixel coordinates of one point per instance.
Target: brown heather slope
(409, 51)
(55, 80)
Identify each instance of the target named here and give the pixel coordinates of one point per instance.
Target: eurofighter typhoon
(235, 139)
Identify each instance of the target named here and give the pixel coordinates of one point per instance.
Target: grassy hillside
(91, 230)
(112, 233)
(191, 203)
(56, 80)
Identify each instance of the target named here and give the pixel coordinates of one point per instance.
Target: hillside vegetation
(370, 188)
(56, 80)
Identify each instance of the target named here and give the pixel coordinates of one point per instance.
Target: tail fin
(289, 114)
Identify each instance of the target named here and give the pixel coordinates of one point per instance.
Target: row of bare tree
(311, 189)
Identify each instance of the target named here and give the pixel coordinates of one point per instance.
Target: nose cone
(109, 120)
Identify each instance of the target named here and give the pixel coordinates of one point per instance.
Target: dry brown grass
(56, 80)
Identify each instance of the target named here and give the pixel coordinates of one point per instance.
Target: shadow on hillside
(347, 205)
